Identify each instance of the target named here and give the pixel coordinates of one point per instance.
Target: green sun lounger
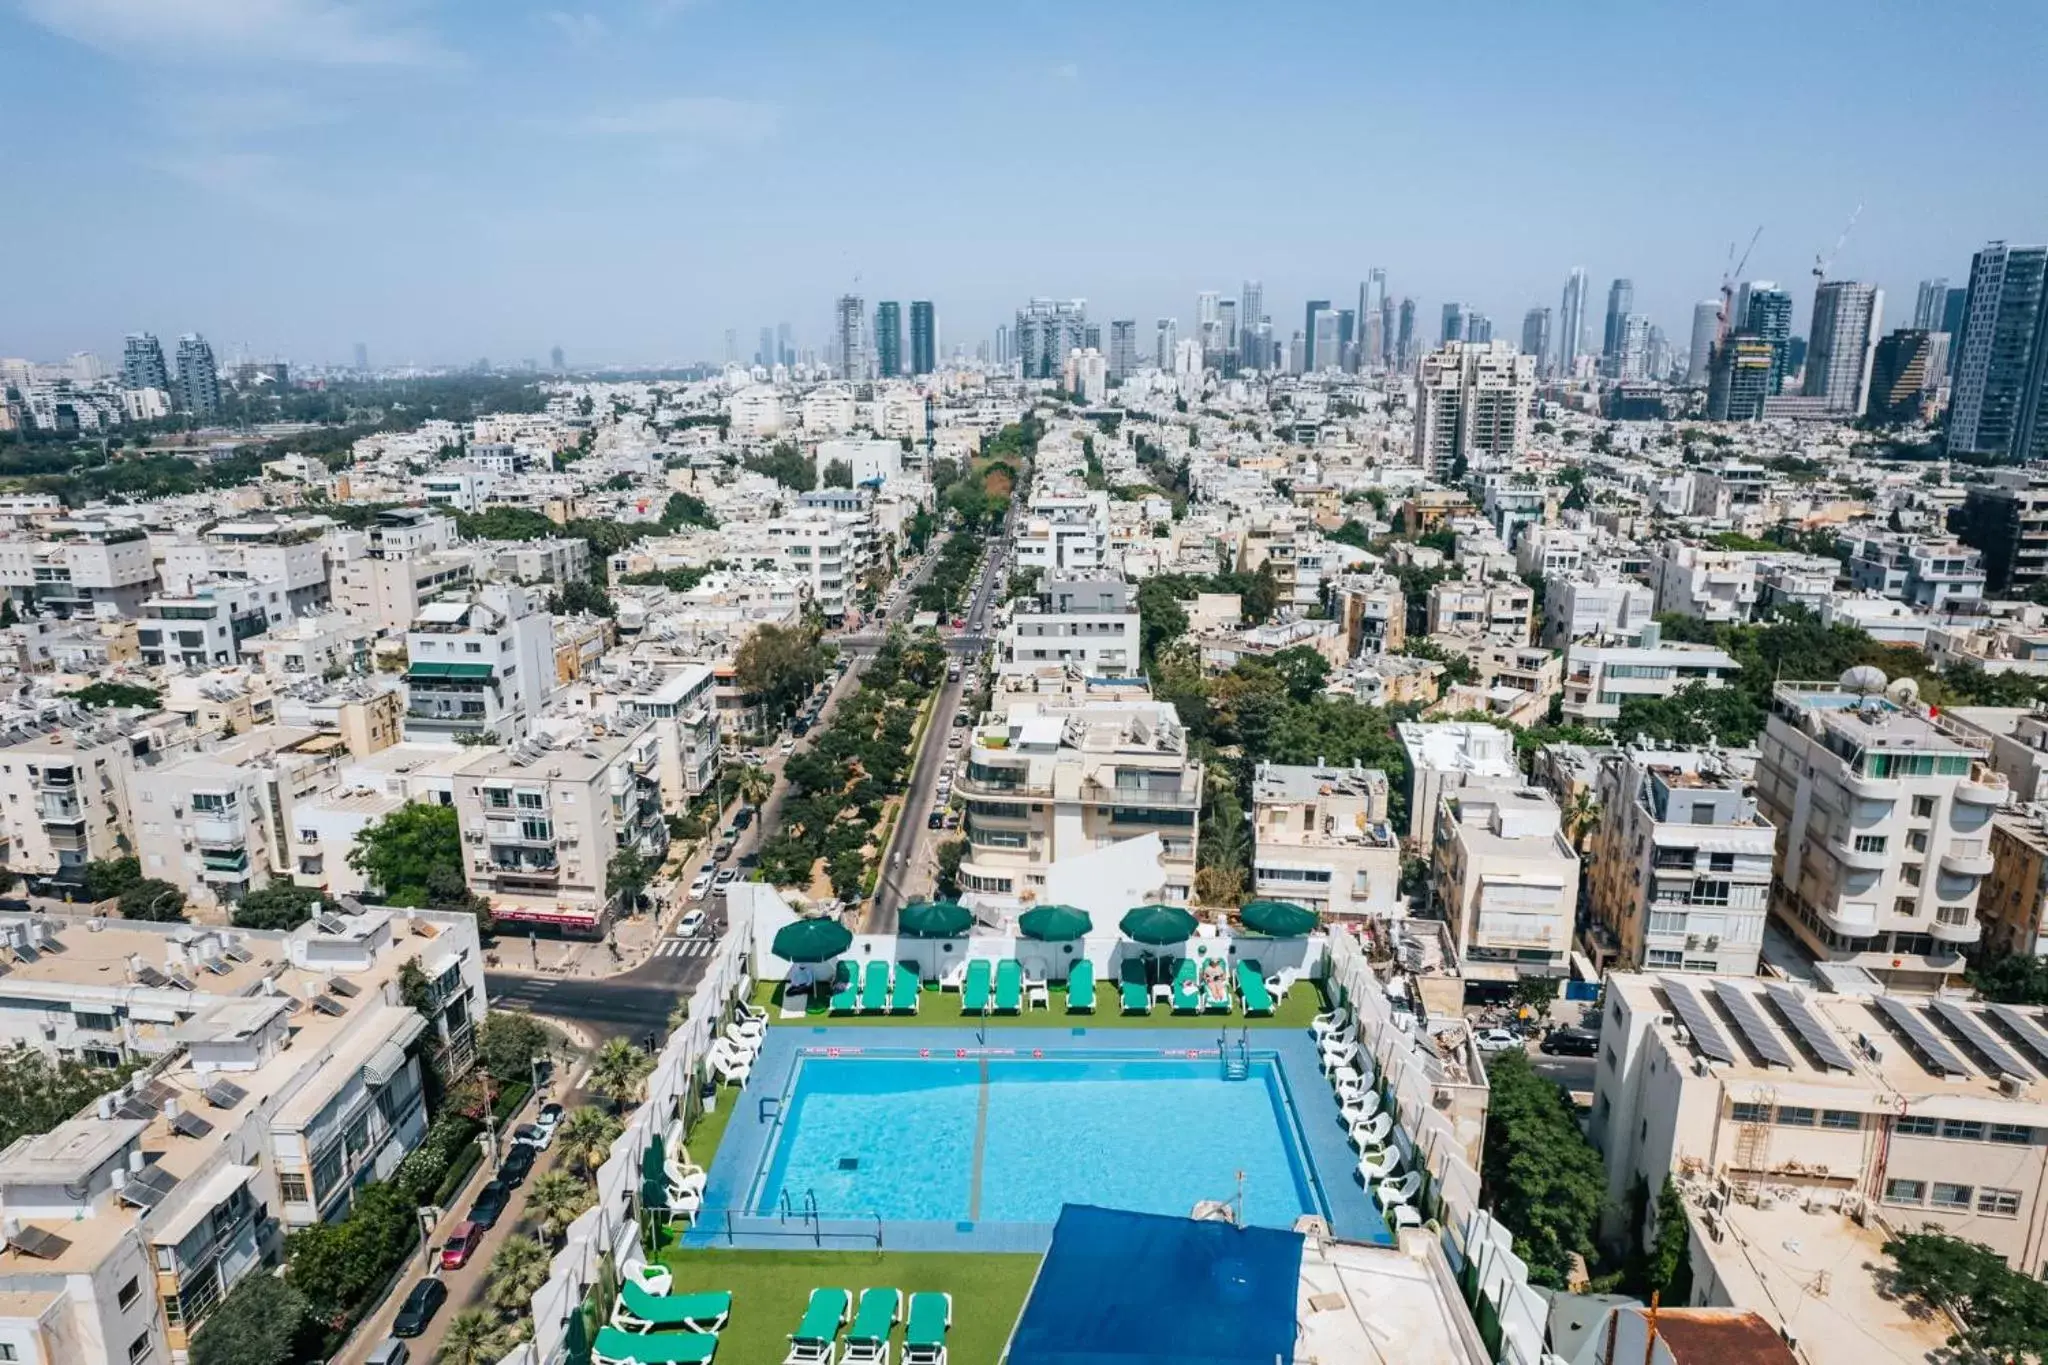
(614, 1347)
(867, 1341)
(845, 988)
(1187, 994)
(903, 991)
(1081, 988)
(823, 1315)
(1252, 987)
(974, 992)
(637, 1310)
(1009, 986)
(874, 989)
(1137, 991)
(924, 1336)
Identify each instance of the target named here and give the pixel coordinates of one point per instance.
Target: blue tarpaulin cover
(1121, 1288)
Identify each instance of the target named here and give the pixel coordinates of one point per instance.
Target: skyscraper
(1311, 361)
(785, 353)
(555, 360)
(1453, 328)
(924, 337)
(1706, 323)
(1632, 348)
(888, 339)
(1840, 344)
(198, 376)
(1930, 304)
(1251, 311)
(764, 351)
(1478, 328)
(142, 363)
(1739, 378)
(1996, 404)
(1046, 330)
(1536, 337)
(1004, 353)
(1325, 340)
(1226, 325)
(1404, 335)
(362, 357)
(1123, 348)
(1621, 301)
(732, 345)
(1165, 334)
(1373, 318)
(1571, 322)
(1471, 400)
(1898, 374)
(1765, 312)
(850, 334)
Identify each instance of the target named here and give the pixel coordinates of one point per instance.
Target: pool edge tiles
(1305, 1114)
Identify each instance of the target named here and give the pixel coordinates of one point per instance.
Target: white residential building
(1502, 608)
(1446, 757)
(1592, 604)
(823, 550)
(79, 566)
(1712, 585)
(1929, 574)
(1089, 624)
(482, 666)
(1064, 533)
(206, 626)
(1506, 881)
(1322, 839)
(1472, 400)
(1602, 673)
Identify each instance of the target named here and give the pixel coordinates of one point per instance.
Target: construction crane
(1821, 263)
(1728, 278)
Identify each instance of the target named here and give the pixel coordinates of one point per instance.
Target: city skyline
(322, 173)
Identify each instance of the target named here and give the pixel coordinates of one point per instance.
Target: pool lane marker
(980, 1142)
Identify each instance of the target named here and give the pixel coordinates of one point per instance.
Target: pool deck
(757, 1120)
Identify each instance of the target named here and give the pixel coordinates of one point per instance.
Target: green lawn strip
(709, 1129)
(941, 1009)
(770, 1289)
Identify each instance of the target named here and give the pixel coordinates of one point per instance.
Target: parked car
(723, 849)
(699, 884)
(517, 1165)
(419, 1307)
(1570, 1042)
(937, 820)
(742, 820)
(547, 1120)
(788, 747)
(390, 1351)
(461, 1245)
(726, 877)
(691, 924)
(490, 1204)
(1497, 1040)
(952, 820)
(749, 860)
(801, 727)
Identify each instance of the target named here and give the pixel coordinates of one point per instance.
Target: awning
(427, 670)
(524, 915)
(200, 1203)
(467, 670)
(387, 1061)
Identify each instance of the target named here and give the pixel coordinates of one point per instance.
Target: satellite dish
(1904, 691)
(1865, 679)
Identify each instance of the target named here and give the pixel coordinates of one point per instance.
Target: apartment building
(221, 823)
(1373, 612)
(206, 626)
(66, 785)
(407, 558)
(1710, 585)
(1445, 757)
(1067, 766)
(542, 821)
(1594, 604)
(1064, 532)
(78, 566)
(278, 1081)
(1322, 839)
(1732, 492)
(1472, 401)
(1930, 574)
(1680, 866)
(1882, 811)
(481, 666)
(2006, 518)
(822, 550)
(457, 486)
(313, 645)
(679, 704)
(1085, 622)
(1552, 551)
(367, 713)
(2014, 904)
(1602, 673)
(290, 555)
(1504, 608)
(556, 559)
(1504, 879)
(1922, 1112)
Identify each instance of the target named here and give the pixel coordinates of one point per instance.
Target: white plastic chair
(1326, 1025)
(655, 1279)
(1399, 1191)
(1359, 1110)
(1345, 1037)
(743, 1044)
(747, 1026)
(1374, 1167)
(1372, 1132)
(729, 1067)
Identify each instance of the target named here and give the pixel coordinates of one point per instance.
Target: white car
(690, 925)
(699, 885)
(1497, 1040)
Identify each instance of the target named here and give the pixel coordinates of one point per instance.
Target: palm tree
(517, 1272)
(471, 1339)
(557, 1199)
(754, 785)
(1581, 813)
(619, 1071)
(586, 1135)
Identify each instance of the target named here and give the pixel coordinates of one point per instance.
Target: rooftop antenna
(1821, 263)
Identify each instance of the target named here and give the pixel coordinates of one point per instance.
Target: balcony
(1983, 787)
(1966, 858)
(220, 831)
(1862, 860)
(58, 779)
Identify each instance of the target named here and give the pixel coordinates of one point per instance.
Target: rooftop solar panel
(225, 1094)
(1706, 1033)
(1811, 1028)
(2025, 1027)
(1978, 1035)
(343, 987)
(44, 1246)
(1936, 1055)
(329, 924)
(1755, 1028)
(190, 1124)
(327, 1004)
(234, 953)
(26, 953)
(151, 977)
(147, 1187)
(182, 981)
(218, 967)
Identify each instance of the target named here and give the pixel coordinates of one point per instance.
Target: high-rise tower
(1842, 342)
(1621, 301)
(1536, 337)
(850, 332)
(924, 337)
(1571, 322)
(888, 339)
(2001, 354)
(142, 363)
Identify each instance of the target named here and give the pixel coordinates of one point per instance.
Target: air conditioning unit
(1713, 942)
(1692, 940)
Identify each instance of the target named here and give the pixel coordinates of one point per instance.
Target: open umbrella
(1158, 925)
(1054, 923)
(934, 919)
(812, 940)
(1279, 919)
(654, 1178)
(576, 1342)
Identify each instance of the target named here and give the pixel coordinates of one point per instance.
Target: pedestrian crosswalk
(684, 947)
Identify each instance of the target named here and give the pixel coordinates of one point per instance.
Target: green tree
(682, 510)
(626, 876)
(473, 1338)
(753, 784)
(8, 616)
(1539, 1176)
(2012, 980)
(619, 1070)
(106, 878)
(2003, 1313)
(509, 1043)
(557, 1199)
(37, 1094)
(777, 666)
(836, 474)
(947, 879)
(151, 899)
(518, 1270)
(585, 1136)
(262, 1321)
(786, 465)
(401, 855)
(108, 693)
(280, 905)
(1670, 1268)
(580, 595)
(1303, 671)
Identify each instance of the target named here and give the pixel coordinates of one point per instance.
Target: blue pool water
(1011, 1140)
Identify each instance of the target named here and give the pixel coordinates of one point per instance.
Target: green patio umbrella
(1279, 919)
(812, 940)
(935, 919)
(1055, 923)
(576, 1341)
(654, 1177)
(1158, 925)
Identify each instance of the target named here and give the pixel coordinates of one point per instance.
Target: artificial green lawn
(770, 1289)
(941, 1009)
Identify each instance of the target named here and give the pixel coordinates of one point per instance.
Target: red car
(462, 1244)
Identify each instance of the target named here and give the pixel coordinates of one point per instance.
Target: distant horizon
(628, 179)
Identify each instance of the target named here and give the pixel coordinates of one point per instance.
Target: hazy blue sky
(443, 179)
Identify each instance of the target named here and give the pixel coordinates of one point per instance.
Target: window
(1905, 1192)
(1947, 1196)
(1870, 843)
(1923, 807)
(2004, 1203)
(291, 1187)
(1840, 1118)
(1795, 1116)
(1915, 1125)
(1909, 873)
(472, 647)
(174, 1314)
(2014, 1134)
(1905, 907)
(532, 800)
(138, 1348)
(128, 1294)
(101, 1023)
(309, 836)
(1751, 1113)
(1967, 1130)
